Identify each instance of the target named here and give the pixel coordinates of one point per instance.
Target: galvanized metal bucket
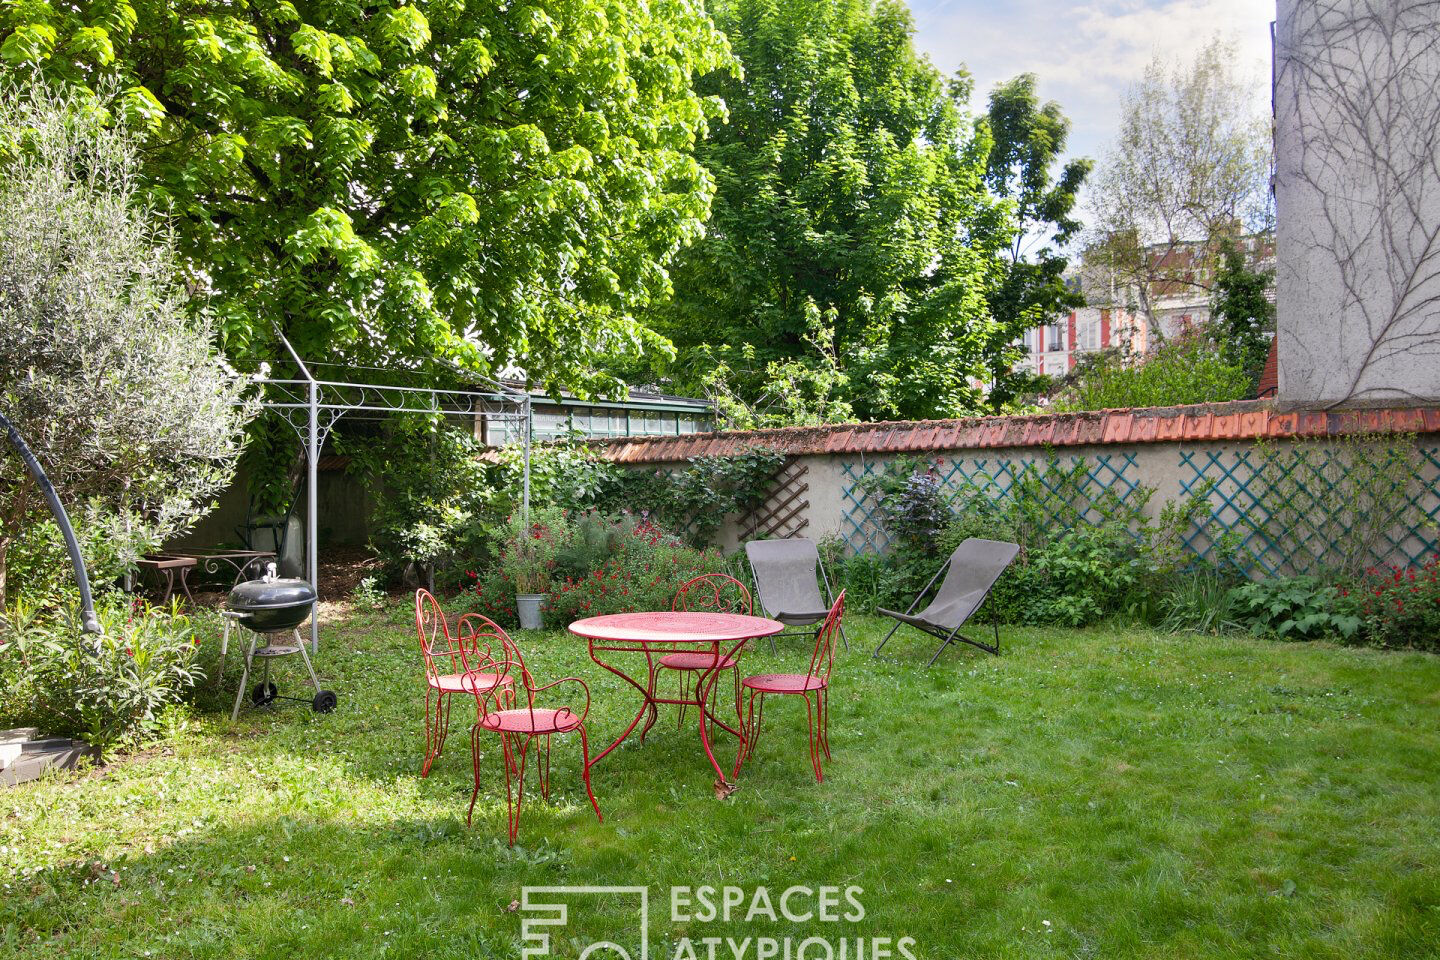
(527, 606)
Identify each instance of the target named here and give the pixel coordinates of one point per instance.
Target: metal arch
(299, 420)
(388, 398)
(312, 407)
(88, 619)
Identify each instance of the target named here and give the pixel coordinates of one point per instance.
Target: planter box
(25, 755)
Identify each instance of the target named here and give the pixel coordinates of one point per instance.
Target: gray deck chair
(787, 576)
(970, 573)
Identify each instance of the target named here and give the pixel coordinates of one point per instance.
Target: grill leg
(244, 679)
(314, 682)
(224, 648)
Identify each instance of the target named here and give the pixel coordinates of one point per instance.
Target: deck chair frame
(951, 636)
(804, 629)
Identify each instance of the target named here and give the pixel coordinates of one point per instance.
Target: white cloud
(1087, 53)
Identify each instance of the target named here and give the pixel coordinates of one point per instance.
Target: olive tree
(116, 385)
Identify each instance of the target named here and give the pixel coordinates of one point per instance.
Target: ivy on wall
(694, 501)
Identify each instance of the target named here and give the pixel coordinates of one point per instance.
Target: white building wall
(1357, 189)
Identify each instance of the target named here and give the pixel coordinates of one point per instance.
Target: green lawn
(1107, 793)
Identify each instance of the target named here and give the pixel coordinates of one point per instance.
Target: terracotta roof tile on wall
(1240, 420)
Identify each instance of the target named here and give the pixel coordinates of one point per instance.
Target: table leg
(646, 703)
(706, 683)
(650, 696)
(185, 584)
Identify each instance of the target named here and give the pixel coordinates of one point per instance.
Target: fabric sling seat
(970, 574)
(788, 575)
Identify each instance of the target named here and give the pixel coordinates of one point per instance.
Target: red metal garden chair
(815, 681)
(453, 664)
(709, 593)
(518, 726)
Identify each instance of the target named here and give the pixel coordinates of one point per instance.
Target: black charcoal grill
(272, 609)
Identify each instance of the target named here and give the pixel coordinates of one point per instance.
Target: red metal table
(649, 633)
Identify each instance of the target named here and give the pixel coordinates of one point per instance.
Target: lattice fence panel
(1243, 519)
(1422, 542)
(785, 509)
(862, 526)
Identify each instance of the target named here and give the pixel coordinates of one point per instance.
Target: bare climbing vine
(1358, 177)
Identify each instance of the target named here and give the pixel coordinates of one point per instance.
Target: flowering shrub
(493, 596)
(113, 689)
(604, 565)
(1393, 607)
(528, 558)
(1401, 606)
(643, 573)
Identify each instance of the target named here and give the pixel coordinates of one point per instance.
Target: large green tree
(850, 185)
(492, 183)
(1029, 141)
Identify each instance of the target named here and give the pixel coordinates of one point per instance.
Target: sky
(1086, 54)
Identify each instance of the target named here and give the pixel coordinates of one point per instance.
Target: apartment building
(1179, 300)
(1055, 348)
(1180, 297)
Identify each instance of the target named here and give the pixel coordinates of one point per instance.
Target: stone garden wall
(1243, 457)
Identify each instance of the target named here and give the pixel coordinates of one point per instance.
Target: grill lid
(271, 593)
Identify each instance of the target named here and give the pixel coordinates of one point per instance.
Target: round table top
(675, 627)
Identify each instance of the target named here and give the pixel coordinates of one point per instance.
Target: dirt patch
(341, 570)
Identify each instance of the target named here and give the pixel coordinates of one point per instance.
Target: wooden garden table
(668, 632)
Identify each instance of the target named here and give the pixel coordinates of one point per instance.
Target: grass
(1105, 793)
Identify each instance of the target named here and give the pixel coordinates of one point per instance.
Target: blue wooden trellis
(862, 527)
(1239, 517)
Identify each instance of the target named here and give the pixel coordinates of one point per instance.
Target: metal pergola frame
(312, 407)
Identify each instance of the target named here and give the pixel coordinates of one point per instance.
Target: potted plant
(527, 561)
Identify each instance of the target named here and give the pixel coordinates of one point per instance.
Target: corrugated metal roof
(1240, 420)
(634, 397)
